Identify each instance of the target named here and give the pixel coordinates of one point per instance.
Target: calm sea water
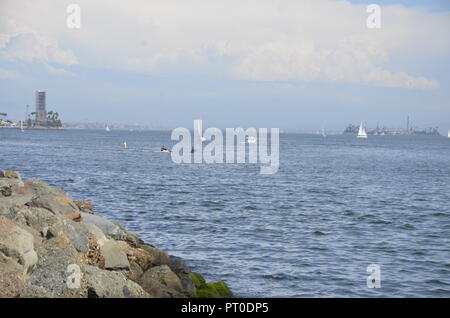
(336, 205)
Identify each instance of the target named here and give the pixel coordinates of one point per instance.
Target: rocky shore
(53, 246)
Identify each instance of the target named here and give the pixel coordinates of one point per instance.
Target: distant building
(43, 119)
(41, 112)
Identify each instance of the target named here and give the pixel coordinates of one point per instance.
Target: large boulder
(37, 218)
(7, 186)
(51, 225)
(40, 188)
(108, 228)
(129, 237)
(17, 243)
(140, 256)
(159, 256)
(13, 193)
(161, 282)
(179, 267)
(59, 205)
(107, 284)
(76, 232)
(50, 274)
(9, 174)
(12, 278)
(100, 237)
(115, 257)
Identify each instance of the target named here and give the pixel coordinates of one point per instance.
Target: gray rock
(10, 174)
(160, 281)
(108, 228)
(50, 272)
(77, 234)
(51, 225)
(115, 257)
(16, 196)
(40, 188)
(177, 265)
(180, 268)
(7, 185)
(32, 291)
(17, 243)
(59, 205)
(12, 278)
(130, 237)
(135, 272)
(159, 256)
(97, 232)
(37, 218)
(107, 284)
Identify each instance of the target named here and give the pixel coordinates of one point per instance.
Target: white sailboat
(198, 129)
(107, 128)
(362, 132)
(323, 133)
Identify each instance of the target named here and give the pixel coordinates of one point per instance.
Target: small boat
(21, 126)
(164, 149)
(362, 132)
(323, 133)
(251, 139)
(448, 134)
(125, 145)
(107, 128)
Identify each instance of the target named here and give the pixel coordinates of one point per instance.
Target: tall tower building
(41, 112)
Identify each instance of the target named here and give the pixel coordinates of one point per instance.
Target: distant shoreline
(36, 128)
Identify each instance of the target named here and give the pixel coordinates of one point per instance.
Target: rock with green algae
(210, 290)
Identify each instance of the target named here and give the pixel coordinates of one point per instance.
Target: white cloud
(309, 40)
(352, 61)
(31, 47)
(8, 75)
(19, 41)
(58, 71)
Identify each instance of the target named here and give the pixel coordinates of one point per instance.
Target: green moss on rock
(210, 290)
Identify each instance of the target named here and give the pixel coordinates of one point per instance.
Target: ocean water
(337, 205)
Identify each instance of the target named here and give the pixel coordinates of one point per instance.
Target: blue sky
(299, 65)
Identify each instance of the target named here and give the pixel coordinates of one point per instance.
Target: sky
(290, 64)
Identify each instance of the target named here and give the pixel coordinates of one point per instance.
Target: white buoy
(125, 145)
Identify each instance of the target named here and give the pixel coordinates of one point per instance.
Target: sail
(362, 131)
(198, 129)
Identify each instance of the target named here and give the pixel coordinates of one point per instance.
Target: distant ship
(107, 128)
(362, 131)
